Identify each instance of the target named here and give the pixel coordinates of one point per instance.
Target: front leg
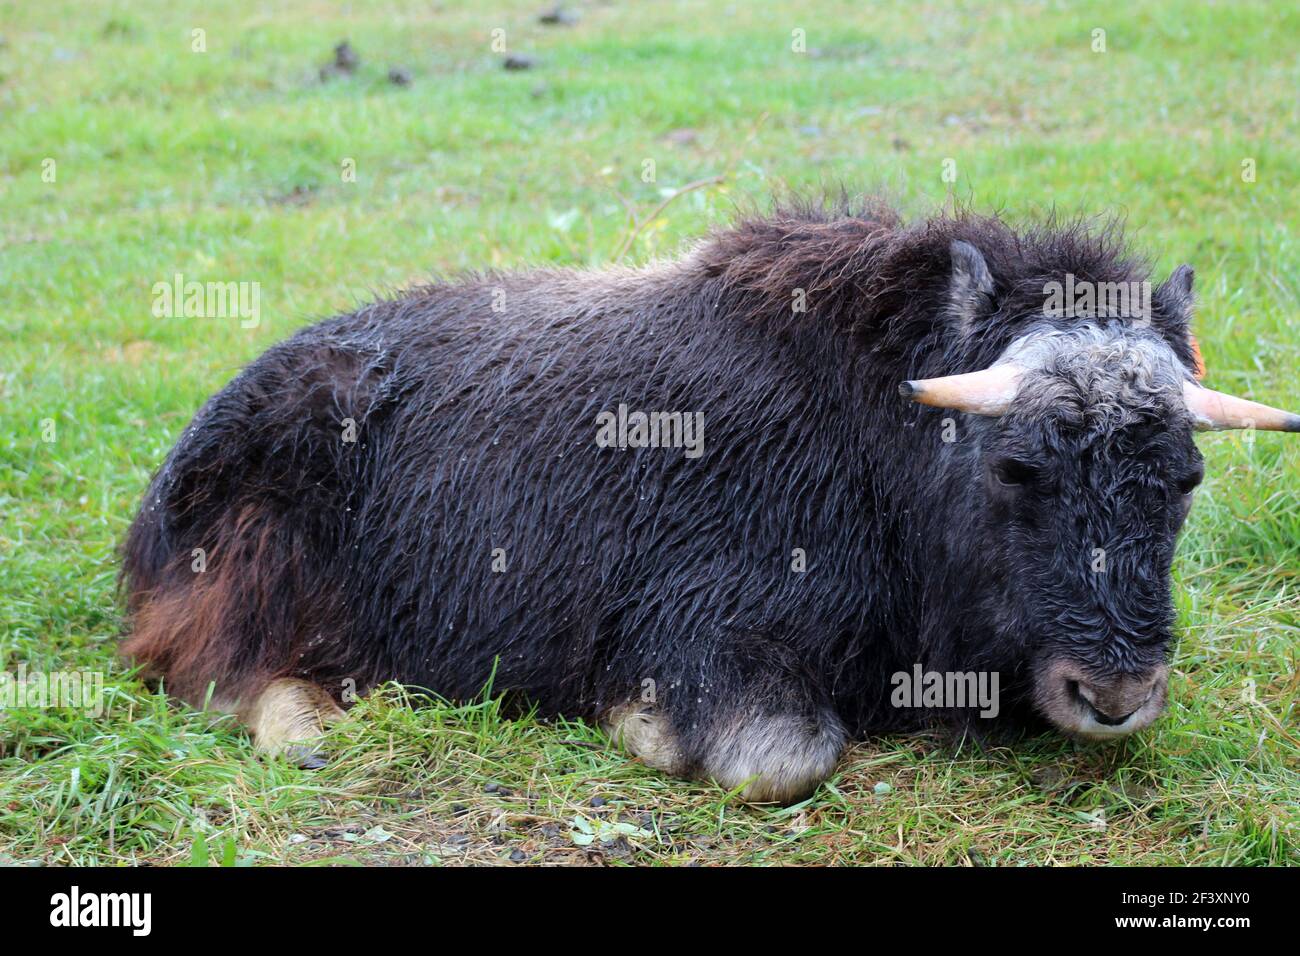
(755, 719)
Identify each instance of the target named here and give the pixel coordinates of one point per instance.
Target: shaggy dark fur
(475, 430)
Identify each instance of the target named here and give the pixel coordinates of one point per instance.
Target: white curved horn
(1215, 411)
(987, 392)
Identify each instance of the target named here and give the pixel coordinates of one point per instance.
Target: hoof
(305, 757)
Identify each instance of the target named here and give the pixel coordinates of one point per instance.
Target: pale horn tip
(1213, 410)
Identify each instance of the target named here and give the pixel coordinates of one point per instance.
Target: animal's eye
(1187, 484)
(1014, 472)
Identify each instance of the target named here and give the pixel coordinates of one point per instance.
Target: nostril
(1087, 697)
(1107, 720)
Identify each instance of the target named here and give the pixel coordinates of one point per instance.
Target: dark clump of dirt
(117, 28)
(517, 61)
(345, 58)
(558, 16)
(345, 62)
(399, 76)
(300, 195)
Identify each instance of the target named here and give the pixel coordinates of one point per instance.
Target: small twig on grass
(689, 187)
(728, 170)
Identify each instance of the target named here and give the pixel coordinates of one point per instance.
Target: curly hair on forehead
(1098, 376)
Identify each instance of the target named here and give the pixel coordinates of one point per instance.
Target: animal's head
(1083, 469)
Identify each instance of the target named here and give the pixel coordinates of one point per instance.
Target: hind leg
(287, 716)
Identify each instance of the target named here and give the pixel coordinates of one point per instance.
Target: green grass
(225, 165)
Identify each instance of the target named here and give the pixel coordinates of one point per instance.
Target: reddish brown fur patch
(177, 636)
(238, 624)
(1196, 357)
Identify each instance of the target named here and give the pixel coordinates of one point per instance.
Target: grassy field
(231, 164)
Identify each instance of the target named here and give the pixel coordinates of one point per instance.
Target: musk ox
(492, 480)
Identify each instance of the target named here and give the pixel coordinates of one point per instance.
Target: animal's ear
(970, 290)
(1176, 294)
